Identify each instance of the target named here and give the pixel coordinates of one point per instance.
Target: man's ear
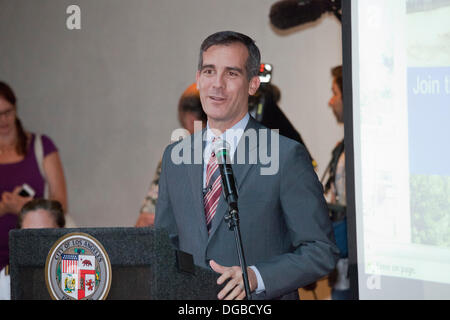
(253, 85)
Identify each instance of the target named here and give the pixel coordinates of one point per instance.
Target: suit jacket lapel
(195, 173)
(240, 172)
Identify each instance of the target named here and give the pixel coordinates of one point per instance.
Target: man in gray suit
(286, 233)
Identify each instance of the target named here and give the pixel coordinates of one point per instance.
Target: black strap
(331, 169)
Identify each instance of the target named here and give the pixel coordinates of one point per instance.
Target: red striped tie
(214, 187)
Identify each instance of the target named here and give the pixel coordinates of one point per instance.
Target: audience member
(37, 213)
(41, 213)
(189, 111)
(25, 159)
(336, 196)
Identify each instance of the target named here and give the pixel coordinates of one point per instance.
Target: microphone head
(286, 14)
(221, 149)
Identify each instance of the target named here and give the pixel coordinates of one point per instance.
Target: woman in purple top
(18, 165)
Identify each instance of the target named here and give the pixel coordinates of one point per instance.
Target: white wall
(107, 94)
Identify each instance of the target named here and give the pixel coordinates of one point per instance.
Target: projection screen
(400, 76)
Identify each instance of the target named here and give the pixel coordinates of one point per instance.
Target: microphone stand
(231, 196)
(232, 218)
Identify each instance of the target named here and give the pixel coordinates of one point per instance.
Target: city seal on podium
(78, 268)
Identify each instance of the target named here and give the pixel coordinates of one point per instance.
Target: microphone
(222, 150)
(286, 14)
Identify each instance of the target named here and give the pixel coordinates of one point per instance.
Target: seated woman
(41, 213)
(25, 159)
(35, 214)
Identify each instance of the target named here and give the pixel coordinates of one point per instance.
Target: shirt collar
(231, 135)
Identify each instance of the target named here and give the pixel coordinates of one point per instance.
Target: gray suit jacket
(286, 231)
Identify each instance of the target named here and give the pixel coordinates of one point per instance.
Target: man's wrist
(259, 281)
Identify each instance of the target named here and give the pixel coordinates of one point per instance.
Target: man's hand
(234, 289)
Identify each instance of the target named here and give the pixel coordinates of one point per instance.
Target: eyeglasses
(7, 113)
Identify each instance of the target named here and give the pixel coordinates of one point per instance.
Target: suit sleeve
(314, 253)
(164, 218)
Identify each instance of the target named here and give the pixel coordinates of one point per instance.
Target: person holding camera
(335, 193)
(189, 111)
(30, 167)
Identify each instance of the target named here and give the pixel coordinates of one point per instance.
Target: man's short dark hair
(228, 37)
(336, 72)
(53, 207)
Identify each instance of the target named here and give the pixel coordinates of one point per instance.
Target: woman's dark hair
(228, 37)
(52, 206)
(8, 94)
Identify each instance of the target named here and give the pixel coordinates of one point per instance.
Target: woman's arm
(2, 208)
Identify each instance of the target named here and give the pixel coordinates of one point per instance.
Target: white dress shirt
(231, 136)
